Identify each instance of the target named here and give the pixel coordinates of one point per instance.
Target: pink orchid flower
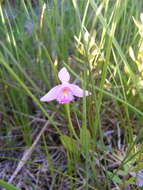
(65, 92)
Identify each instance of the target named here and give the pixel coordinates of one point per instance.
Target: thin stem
(71, 128)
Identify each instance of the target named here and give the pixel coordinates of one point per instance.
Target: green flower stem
(71, 128)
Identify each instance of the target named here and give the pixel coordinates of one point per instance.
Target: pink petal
(51, 95)
(64, 75)
(77, 91)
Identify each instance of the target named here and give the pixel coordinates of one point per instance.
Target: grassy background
(100, 43)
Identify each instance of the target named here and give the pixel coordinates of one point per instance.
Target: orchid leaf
(69, 143)
(7, 186)
(85, 138)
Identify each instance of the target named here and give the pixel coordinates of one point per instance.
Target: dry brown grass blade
(29, 151)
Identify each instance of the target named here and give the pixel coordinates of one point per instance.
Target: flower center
(65, 91)
(65, 96)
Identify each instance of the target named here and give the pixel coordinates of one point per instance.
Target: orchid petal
(64, 75)
(77, 91)
(51, 95)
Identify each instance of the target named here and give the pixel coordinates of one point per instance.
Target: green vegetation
(94, 142)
